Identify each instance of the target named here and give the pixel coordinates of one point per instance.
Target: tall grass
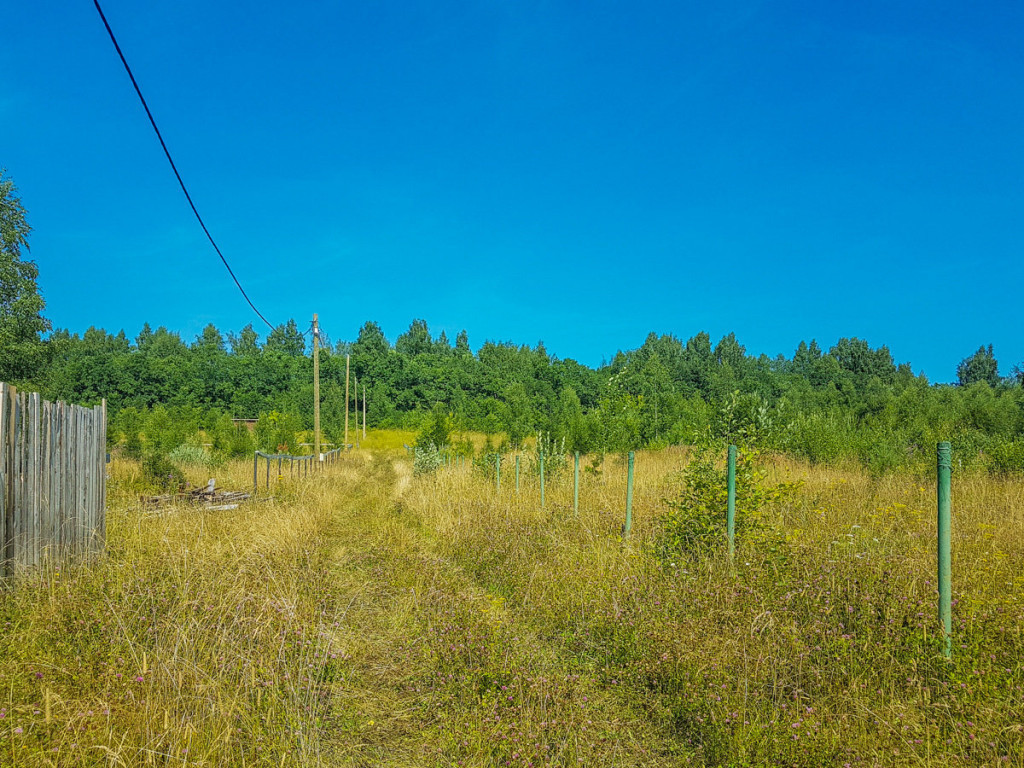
(199, 638)
(816, 647)
(364, 616)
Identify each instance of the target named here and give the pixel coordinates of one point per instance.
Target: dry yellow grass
(366, 617)
(819, 649)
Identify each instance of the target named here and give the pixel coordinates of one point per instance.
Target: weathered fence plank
(4, 475)
(52, 479)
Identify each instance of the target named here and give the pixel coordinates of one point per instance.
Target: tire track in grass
(436, 670)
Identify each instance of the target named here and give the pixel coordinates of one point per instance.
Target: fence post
(730, 516)
(497, 471)
(542, 478)
(629, 498)
(945, 558)
(576, 484)
(268, 473)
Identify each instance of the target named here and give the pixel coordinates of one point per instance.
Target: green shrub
(132, 448)
(437, 429)
(161, 473)
(1005, 456)
(426, 459)
(555, 460)
(694, 521)
(822, 437)
(233, 441)
(276, 432)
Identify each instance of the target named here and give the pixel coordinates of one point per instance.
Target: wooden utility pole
(316, 387)
(346, 401)
(364, 411)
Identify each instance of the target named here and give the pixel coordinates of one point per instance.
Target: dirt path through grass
(439, 672)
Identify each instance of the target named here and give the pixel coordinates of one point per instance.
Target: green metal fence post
(542, 478)
(945, 558)
(629, 498)
(576, 484)
(497, 471)
(730, 516)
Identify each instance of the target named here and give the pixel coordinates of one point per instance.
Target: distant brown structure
(250, 424)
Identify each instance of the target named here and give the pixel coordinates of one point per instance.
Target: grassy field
(367, 617)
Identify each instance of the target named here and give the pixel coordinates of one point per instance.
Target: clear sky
(577, 172)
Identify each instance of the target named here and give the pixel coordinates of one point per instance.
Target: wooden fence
(53, 486)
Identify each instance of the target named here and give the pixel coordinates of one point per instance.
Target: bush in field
(483, 462)
(230, 440)
(695, 517)
(747, 418)
(554, 456)
(463, 447)
(426, 459)
(276, 431)
(821, 437)
(159, 472)
(132, 448)
(554, 453)
(1005, 456)
(437, 429)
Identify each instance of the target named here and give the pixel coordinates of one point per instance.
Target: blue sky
(581, 173)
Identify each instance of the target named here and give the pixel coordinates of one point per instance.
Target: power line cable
(174, 167)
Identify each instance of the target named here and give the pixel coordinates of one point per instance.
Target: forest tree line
(849, 401)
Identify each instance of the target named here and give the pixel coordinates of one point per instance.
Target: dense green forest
(851, 401)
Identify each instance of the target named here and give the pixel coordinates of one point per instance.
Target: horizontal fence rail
(299, 466)
(53, 485)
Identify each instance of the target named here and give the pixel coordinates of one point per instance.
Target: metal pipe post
(542, 478)
(576, 484)
(945, 557)
(629, 498)
(730, 515)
